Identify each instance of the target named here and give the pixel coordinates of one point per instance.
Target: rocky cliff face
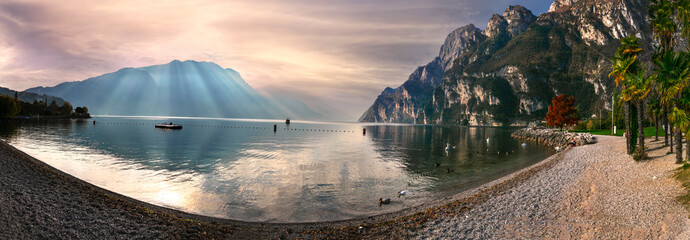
(404, 103)
(519, 62)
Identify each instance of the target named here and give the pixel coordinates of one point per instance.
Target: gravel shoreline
(593, 191)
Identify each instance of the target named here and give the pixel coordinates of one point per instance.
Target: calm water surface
(241, 169)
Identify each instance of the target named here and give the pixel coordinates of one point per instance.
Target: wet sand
(593, 191)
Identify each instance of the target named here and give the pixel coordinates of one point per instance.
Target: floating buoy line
(203, 125)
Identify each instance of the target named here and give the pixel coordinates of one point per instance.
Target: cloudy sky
(338, 52)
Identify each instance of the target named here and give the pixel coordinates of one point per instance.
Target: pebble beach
(594, 192)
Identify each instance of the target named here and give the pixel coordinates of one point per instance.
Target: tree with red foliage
(562, 112)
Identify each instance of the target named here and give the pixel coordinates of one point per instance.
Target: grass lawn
(648, 132)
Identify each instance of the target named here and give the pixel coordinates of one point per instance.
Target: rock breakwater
(553, 138)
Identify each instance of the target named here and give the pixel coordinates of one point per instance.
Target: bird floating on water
(524, 144)
(402, 193)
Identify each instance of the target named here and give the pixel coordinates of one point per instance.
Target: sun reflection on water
(169, 198)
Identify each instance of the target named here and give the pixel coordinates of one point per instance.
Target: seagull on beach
(402, 193)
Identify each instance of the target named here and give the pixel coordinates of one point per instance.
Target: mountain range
(31, 97)
(511, 70)
(188, 89)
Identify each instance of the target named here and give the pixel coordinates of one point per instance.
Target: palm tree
(638, 87)
(673, 73)
(681, 120)
(661, 14)
(683, 8)
(663, 25)
(623, 63)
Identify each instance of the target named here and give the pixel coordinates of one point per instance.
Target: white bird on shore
(402, 193)
(558, 149)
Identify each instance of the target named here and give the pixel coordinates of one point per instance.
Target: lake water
(303, 172)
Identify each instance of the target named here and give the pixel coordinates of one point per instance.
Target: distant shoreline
(46, 117)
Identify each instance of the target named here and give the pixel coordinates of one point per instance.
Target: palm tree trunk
(670, 136)
(656, 132)
(664, 121)
(679, 146)
(627, 127)
(640, 127)
(687, 149)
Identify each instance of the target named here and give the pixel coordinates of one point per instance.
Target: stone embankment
(553, 138)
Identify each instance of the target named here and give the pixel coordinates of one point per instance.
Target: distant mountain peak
(189, 88)
(560, 4)
(518, 18)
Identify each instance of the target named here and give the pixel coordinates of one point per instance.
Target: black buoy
(364, 131)
(94, 122)
(275, 127)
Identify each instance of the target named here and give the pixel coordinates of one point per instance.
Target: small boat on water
(168, 126)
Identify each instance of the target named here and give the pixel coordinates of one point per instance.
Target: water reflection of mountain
(309, 172)
(470, 161)
(190, 149)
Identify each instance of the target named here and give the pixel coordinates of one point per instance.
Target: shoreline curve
(209, 227)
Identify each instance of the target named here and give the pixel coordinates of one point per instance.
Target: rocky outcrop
(553, 138)
(561, 4)
(404, 104)
(518, 18)
(496, 24)
(511, 70)
(457, 43)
